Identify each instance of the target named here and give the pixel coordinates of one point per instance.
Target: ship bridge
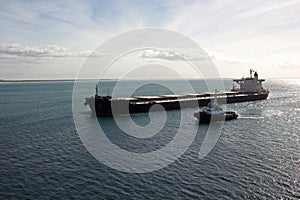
(251, 84)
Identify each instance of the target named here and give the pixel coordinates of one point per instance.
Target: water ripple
(42, 157)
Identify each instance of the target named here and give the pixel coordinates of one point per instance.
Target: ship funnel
(256, 75)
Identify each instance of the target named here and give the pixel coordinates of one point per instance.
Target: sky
(53, 39)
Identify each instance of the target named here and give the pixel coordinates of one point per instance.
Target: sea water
(43, 157)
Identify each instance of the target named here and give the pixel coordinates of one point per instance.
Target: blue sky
(51, 39)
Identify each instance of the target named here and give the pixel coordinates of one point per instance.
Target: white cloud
(190, 54)
(47, 51)
(217, 56)
(164, 54)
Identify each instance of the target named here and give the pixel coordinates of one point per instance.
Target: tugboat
(214, 113)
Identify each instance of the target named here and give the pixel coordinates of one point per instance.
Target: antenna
(215, 102)
(96, 89)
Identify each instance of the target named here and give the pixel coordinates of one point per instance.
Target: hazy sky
(51, 39)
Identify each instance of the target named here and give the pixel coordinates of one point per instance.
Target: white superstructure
(250, 84)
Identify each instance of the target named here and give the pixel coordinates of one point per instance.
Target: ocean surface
(42, 155)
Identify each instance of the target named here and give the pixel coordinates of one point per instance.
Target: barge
(250, 89)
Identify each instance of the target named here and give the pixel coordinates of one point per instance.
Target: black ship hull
(106, 106)
(205, 118)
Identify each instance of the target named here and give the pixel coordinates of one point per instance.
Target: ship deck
(138, 100)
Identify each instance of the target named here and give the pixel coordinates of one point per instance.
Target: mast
(96, 89)
(215, 102)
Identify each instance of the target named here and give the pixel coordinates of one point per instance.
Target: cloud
(223, 58)
(190, 54)
(161, 54)
(46, 51)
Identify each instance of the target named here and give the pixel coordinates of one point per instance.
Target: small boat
(214, 113)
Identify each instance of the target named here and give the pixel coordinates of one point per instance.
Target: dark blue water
(42, 156)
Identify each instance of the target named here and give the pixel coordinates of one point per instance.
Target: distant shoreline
(73, 80)
(48, 80)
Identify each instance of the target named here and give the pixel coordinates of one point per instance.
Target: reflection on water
(41, 154)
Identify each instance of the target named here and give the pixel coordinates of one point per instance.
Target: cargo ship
(250, 89)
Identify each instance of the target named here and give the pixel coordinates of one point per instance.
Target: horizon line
(112, 79)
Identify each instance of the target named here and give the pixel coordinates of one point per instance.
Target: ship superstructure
(250, 84)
